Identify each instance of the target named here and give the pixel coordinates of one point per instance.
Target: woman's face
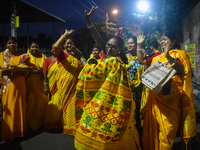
(95, 52)
(131, 44)
(34, 49)
(166, 43)
(112, 48)
(11, 45)
(68, 45)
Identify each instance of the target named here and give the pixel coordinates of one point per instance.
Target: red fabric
(61, 56)
(46, 64)
(149, 59)
(119, 32)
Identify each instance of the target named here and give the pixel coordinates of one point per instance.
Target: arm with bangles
(60, 41)
(46, 80)
(59, 53)
(95, 34)
(140, 51)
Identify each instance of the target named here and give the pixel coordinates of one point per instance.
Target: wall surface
(191, 35)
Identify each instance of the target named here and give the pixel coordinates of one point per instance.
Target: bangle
(82, 60)
(90, 26)
(45, 83)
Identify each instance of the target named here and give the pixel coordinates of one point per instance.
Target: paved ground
(54, 140)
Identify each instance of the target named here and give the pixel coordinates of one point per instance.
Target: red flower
(109, 66)
(100, 65)
(107, 108)
(96, 105)
(114, 111)
(94, 134)
(108, 138)
(103, 137)
(85, 130)
(102, 108)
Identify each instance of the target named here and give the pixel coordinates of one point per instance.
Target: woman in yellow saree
(36, 99)
(104, 101)
(70, 62)
(173, 107)
(53, 112)
(13, 89)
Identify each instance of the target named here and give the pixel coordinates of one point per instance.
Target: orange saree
(13, 100)
(165, 113)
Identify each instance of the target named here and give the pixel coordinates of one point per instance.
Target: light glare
(143, 6)
(115, 11)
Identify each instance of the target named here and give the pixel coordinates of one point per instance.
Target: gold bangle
(82, 60)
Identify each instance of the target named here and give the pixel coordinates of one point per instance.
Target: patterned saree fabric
(105, 107)
(14, 98)
(53, 112)
(36, 99)
(135, 70)
(67, 76)
(166, 112)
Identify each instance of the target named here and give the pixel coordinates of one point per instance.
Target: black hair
(96, 45)
(134, 38)
(69, 38)
(35, 43)
(172, 36)
(122, 54)
(12, 38)
(154, 44)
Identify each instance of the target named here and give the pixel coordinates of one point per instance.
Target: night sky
(72, 11)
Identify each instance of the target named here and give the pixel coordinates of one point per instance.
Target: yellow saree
(67, 78)
(13, 102)
(53, 112)
(165, 113)
(105, 107)
(36, 99)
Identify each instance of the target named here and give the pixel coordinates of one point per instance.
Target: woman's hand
(89, 15)
(68, 32)
(77, 53)
(141, 38)
(166, 52)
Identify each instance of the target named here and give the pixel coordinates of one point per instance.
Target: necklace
(132, 59)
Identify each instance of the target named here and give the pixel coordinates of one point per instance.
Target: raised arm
(140, 51)
(95, 34)
(60, 41)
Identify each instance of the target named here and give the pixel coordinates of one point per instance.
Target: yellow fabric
(105, 107)
(36, 99)
(144, 98)
(165, 113)
(53, 112)
(67, 76)
(1, 60)
(145, 95)
(13, 105)
(37, 61)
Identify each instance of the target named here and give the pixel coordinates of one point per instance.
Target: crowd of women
(101, 101)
